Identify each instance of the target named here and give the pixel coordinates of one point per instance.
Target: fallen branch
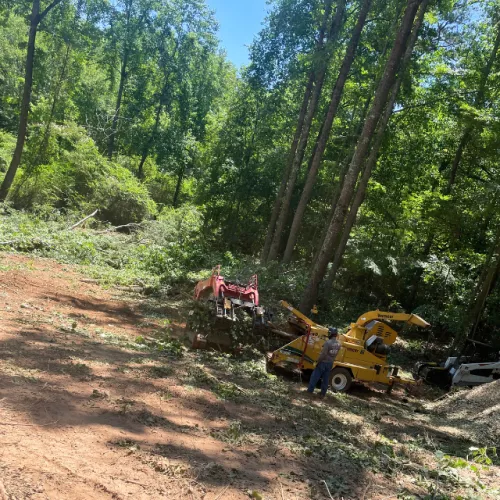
(93, 214)
(327, 489)
(221, 493)
(132, 482)
(29, 425)
(116, 228)
(441, 397)
(283, 334)
(133, 288)
(366, 491)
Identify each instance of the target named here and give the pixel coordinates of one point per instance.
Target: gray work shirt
(329, 352)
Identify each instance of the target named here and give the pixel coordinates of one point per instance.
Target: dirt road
(87, 411)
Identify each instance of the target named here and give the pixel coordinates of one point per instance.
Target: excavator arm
(413, 319)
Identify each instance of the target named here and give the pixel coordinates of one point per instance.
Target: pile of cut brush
(207, 331)
(478, 408)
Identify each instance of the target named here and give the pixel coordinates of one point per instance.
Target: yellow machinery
(363, 353)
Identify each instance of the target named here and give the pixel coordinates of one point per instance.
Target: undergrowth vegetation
(171, 250)
(162, 256)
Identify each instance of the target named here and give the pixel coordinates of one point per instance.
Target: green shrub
(80, 178)
(7, 145)
(122, 198)
(160, 252)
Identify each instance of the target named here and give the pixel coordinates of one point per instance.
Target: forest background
(353, 163)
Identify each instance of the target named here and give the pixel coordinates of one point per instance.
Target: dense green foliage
(136, 111)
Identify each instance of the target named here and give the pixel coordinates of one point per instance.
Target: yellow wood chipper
(363, 353)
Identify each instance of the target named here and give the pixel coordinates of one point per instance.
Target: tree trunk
(46, 134)
(458, 158)
(149, 143)
(35, 19)
(478, 102)
(116, 116)
(163, 102)
(337, 222)
(372, 159)
(325, 130)
(25, 104)
(286, 173)
(319, 78)
(343, 170)
(359, 129)
(484, 290)
(462, 145)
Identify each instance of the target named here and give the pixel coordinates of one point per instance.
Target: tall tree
(37, 16)
(484, 288)
(471, 129)
(379, 102)
(479, 101)
(321, 58)
(372, 158)
(322, 140)
(288, 167)
(131, 17)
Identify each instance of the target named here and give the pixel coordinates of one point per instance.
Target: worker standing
(325, 363)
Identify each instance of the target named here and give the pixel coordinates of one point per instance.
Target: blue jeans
(322, 371)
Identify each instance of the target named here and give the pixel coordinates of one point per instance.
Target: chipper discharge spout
(363, 353)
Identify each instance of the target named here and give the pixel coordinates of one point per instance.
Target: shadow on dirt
(114, 312)
(249, 425)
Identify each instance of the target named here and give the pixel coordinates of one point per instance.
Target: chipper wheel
(340, 380)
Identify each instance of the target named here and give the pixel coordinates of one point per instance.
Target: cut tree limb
(328, 489)
(93, 214)
(116, 228)
(15, 424)
(222, 492)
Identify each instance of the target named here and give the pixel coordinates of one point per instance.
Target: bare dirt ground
(87, 413)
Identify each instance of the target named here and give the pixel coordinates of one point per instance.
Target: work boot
(322, 396)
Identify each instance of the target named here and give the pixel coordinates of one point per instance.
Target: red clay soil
(84, 415)
(81, 418)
